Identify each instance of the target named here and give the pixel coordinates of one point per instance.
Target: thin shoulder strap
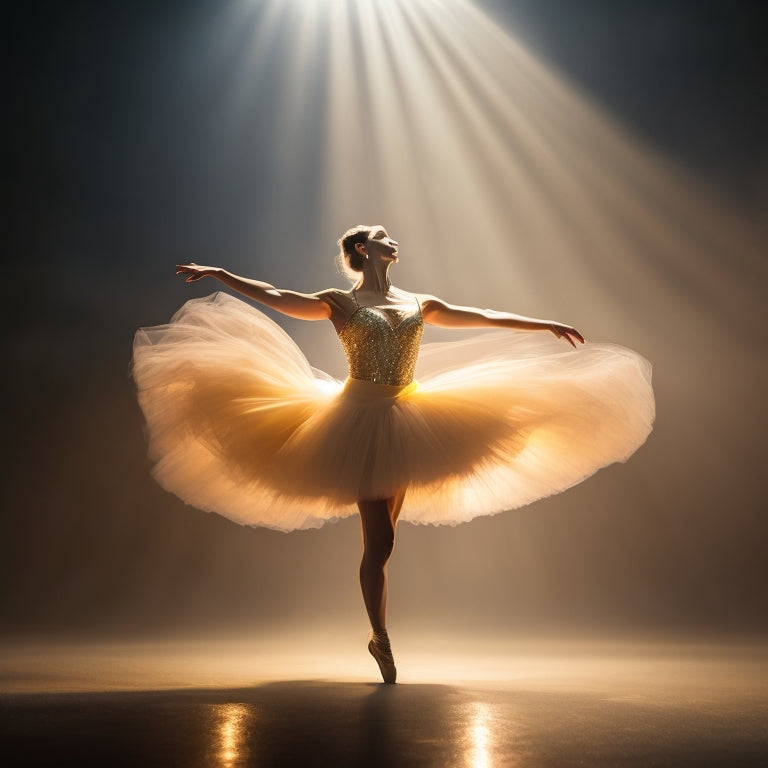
(354, 296)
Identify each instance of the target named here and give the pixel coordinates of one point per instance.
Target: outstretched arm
(437, 312)
(303, 306)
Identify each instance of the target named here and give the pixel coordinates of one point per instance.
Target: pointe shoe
(383, 655)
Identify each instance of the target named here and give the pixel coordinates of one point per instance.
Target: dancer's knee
(378, 532)
(378, 548)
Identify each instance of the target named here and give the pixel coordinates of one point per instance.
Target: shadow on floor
(325, 723)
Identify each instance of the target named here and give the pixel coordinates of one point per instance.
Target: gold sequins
(380, 351)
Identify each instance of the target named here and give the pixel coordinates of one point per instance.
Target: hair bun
(349, 260)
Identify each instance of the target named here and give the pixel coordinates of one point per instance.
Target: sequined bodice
(382, 343)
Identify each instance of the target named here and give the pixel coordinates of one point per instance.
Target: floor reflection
(231, 723)
(478, 736)
(320, 723)
(624, 708)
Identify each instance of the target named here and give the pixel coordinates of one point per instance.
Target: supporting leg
(378, 543)
(379, 520)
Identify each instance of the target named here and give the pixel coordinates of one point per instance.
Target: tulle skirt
(240, 424)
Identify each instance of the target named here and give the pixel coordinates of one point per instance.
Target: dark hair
(349, 260)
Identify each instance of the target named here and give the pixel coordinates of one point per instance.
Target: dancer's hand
(195, 271)
(566, 332)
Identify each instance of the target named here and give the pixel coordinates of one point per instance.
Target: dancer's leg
(379, 520)
(378, 542)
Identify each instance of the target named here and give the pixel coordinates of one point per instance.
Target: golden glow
(231, 731)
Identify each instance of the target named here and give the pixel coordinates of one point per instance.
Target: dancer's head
(356, 244)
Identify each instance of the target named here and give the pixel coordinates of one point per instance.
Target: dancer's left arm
(438, 312)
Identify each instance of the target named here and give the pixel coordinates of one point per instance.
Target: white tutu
(240, 424)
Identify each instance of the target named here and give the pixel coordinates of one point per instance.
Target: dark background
(116, 166)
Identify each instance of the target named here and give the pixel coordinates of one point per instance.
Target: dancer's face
(381, 245)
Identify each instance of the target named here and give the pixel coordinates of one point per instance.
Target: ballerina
(240, 424)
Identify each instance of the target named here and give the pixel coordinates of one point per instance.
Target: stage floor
(267, 704)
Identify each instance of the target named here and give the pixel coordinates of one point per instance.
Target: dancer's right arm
(303, 306)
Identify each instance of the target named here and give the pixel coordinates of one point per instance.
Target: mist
(600, 166)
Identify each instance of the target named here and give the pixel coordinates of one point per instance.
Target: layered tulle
(240, 424)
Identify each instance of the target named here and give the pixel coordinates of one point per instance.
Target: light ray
(509, 188)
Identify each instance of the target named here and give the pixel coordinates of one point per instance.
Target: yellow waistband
(371, 389)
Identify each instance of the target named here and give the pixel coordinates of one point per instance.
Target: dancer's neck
(375, 278)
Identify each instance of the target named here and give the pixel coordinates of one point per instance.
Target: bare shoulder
(428, 298)
(341, 305)
(334, 297)
(429, 303)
